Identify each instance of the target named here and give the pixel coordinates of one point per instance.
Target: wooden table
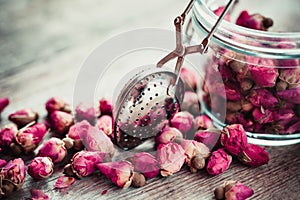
(42, 46)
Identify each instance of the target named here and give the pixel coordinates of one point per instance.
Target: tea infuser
(153, 96)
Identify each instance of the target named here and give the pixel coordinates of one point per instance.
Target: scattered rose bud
(53, 148)
(189, 78)
(183, 121)
(55, 103)
(7, 135)
(38, 195)
(234, 139)
(106, 107)
(218, 162)
(146, 164)
(210, 137)
(40, 168)
(168, 134)
(238, 191)
(86, 112)
(191, 103)
(254, 155)
(61, 121)
(254, 21)
(203, 122)
(23, 117)
(138, 180)
(2, 163)
(12, 176)
(83, 162)
(96, 140)
(64, 182)
(74, 131)
(3, 103)
(119, 172)
(105, 124)
(29, 138)
(263, 97)
(170, 157)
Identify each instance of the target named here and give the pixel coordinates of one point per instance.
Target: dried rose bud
(254, 21)
(74, 131)
(290, 95)
(262, 115)
(211, 138)
(53, 148)
(254, 155)
(189, 78)
(138, 180)
(146, 164)
(183, 121)
(38, 195)
(238, 192)
(12, 176)
(86, 112)
(2, 163)
(96, 140)
(218, 162)
(170, 157)
(83, 162)
(64, 182)
(119, 172)
(7, 135)
(193, 148)
(23, 117)
(61, 121)
(203, 122)
(40, 168)
(219, 11)
(3, 103)
(106, 107)
(234, 139)
(263, 97)
(191, 103)
(105, 124)
(168, 134)
(55, 103)
(29, 138)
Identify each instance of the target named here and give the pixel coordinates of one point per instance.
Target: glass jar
(252, 77)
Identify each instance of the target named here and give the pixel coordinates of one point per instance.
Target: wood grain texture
(43, 43)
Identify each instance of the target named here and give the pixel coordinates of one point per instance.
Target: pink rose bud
(53, 148)
(254, 21)
(74, 131)
(262, 115)
(106, 107)
(183, 121)
(170, 157)
(234, 139)
(3, 103)
(211, 138)
(23, 117)
(12, 176)
(55, 103)
(168, 134)
(290, 95)
(86, 112)
(191, 103)
(146, 164)
(38, 195)
(7, 135)
(219, 11)
(83, 162)
(105, 124)
(61, 121)
(203, 122)
(193, 148)
(119, 172)
(218, 162)
(189, 78)
(64, 182)
(2, 163)
(40, 168)
(263, 97)
(96, 140)
(238, 192)
(254, 155)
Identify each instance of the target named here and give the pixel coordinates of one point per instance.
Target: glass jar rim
(244, 40)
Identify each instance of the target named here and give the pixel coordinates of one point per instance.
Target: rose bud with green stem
(56, 103)
(23, 117)
(53, 148)
(40, 168)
